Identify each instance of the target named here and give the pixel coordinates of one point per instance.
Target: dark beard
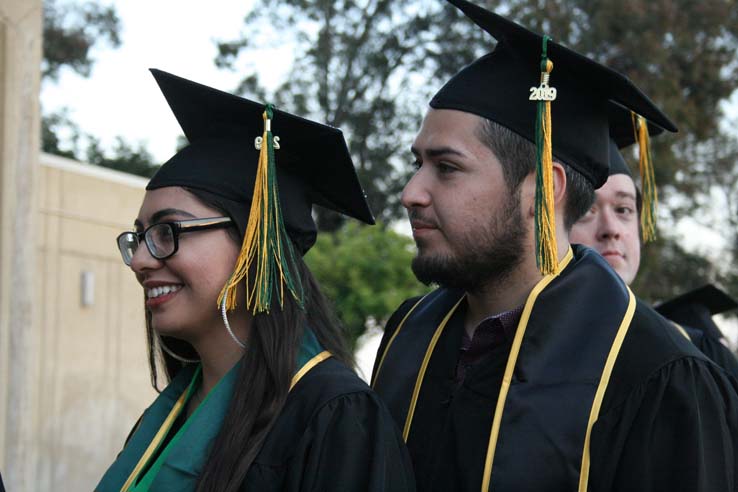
(485, 255)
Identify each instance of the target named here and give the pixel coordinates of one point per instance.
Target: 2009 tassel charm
(545, 220)
(543, 92)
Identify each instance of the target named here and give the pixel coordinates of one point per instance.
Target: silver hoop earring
(170, 352)
(227, 324)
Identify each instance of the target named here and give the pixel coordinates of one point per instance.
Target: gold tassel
(648, 181)
(545, 218)
(265, 244)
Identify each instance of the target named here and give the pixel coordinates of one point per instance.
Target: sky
(178, 36)
(120, 98)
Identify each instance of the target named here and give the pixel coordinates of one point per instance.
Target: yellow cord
(548, 250)
(648, 180)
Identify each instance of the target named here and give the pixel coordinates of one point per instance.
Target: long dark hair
(265, 373)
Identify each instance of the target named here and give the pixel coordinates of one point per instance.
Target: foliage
(71, 31)
(365, 271)
(370, 66)
(52, 126)
(666, 268)
(367, 67)
(125, 157)
(715, 168)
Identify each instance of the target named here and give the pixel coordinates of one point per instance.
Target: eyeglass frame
(178, 227)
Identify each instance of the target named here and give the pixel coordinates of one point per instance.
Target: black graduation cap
(313, 164)
(696, 308)
(497, 87)
(617, 162)
(622, 135)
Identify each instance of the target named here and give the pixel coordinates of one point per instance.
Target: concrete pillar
(20, 61)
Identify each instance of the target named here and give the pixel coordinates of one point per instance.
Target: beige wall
(94, 371)
(73, 378)
(20, 58)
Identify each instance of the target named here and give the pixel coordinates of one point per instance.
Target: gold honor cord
(423, 367)
(511, 361)
(394, 335)
(309, 365)
(158, 438)
(602, 387)
(681, 330)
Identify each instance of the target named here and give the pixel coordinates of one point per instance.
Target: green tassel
(266, 246)
(545, 225)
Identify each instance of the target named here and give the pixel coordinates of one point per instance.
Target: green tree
(666, 268)
(54, 124)
(365, 271)
(71, 31)
(715, 169)
(125, 157)
(370, 67)
(367, 67)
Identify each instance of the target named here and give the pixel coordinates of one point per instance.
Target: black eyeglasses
(162, 239)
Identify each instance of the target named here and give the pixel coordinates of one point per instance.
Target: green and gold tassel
(648, 181)
(266, 246)
(545, 221)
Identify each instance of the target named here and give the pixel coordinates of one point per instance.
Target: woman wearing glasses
(259, 394)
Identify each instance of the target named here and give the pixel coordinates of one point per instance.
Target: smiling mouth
(157, 292)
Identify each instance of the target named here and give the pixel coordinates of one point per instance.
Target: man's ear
(528, 194)
(559, 182)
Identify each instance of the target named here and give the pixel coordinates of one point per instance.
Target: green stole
(180, 463)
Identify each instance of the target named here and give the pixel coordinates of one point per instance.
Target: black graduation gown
(668, 420)
(714, 349)
(333, 434)
(693, 311)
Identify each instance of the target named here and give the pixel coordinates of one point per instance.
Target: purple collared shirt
(490, 333)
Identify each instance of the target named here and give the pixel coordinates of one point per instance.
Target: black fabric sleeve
(720, 355)
(352, 445)
(676, 431)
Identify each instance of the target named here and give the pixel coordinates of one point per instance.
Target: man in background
(612, 228)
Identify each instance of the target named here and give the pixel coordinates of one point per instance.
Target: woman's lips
(158, 301)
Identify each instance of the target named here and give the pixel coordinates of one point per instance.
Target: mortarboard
(627, 128)
(696, 308)
(304, 163)
(617, 162)
(497, 87)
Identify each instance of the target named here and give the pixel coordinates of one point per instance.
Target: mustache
(415, 216)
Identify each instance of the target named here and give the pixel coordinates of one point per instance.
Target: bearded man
(509, 379)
